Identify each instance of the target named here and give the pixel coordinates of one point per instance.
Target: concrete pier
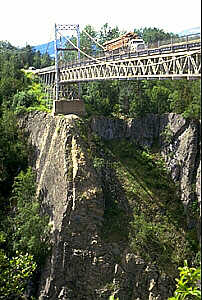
(66, 107)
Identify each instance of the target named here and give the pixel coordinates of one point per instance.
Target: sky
(32, 22)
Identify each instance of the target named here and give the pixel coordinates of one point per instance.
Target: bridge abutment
(66, 107)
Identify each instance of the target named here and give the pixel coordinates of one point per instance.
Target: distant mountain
(49, 47)
(190, 31)
(45, 48)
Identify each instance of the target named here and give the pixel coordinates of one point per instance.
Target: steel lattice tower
(59, 32)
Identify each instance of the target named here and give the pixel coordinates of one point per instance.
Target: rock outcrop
(177, 139)
(83, 266)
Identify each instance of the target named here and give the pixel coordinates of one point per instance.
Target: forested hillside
(22, 246)
(24, 232)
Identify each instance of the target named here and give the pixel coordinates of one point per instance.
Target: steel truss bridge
(175, 59)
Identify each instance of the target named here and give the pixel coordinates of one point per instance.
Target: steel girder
(184, 64)
(172, 65)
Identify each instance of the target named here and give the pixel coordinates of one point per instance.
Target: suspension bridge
(171, 59)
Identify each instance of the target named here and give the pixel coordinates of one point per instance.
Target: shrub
(157, 242)
(30, 229)
(14, 274)
(188, 283)
(23, 99)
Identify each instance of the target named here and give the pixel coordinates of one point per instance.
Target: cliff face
(178, 141)
(82, 264)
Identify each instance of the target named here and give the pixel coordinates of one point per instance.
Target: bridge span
(164, 60)
(176, 60)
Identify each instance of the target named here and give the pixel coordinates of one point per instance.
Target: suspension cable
(93, 39)
(85, 54)
(121, 66)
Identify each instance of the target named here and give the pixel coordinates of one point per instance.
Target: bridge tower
(60, 30)
(65, 107)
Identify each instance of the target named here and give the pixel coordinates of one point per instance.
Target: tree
(107, 33)
(87, 43)
(100, 97)
(30, 228)
(184, 98)
(13, 152)
(152, 35)
(14, 274)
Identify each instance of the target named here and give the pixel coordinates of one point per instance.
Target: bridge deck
(172, 60)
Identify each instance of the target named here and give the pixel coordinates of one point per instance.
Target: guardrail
(172, 44)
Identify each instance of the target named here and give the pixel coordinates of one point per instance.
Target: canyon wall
(82, 265)
(177, 139)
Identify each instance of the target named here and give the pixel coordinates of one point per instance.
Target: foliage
(11, 76)
(154, 34)
(185, 99)
(130, 98)
(33, 98)
(30, 228)
(24, 237)
(23, 230)
(107, 33)
(13, 80)
(167, 134)
(14, 274)
(112, 298)
(188, 285)
(100, 97)
(156, 227)
(23, 99)
(157, 242)
(13, 152)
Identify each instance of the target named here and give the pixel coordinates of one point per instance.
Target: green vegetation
(31, 98)
(152, 35)
(19, 90)
(24, 232)
(15, 273)
(112, 298)
(129, 99)
(155, 227)
(13, 153)
(25, 236)
(188, 285)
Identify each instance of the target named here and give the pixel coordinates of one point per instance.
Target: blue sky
(32, 22)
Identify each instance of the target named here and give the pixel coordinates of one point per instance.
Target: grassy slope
(143, 207)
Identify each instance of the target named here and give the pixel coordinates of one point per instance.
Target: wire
(122, 66)
(93, 39)
(91, 57)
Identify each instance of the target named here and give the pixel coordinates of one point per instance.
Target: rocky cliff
(84, 265)
(177, 139)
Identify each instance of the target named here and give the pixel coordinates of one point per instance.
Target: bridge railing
(175, 40)
(101, 55)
